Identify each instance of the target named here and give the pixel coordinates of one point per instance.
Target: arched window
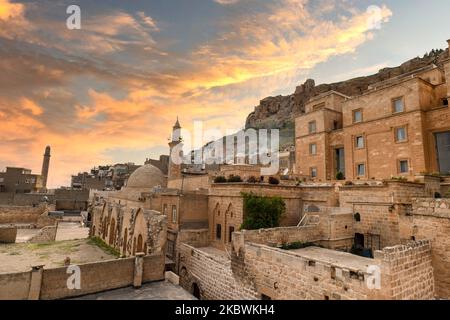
(125, 240)
(112, 232)
(139, 244)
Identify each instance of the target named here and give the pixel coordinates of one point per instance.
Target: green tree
(262, 212)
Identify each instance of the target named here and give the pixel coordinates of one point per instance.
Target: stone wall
(278, 236)
(332, 228)
(289, 275)
(431, 220)
(407, 271)
(381, 209)
(46, 234)
(8, 234)
(37, 216)
(25, 199)
(50, 284)
(213, 276)
(253, 271)
(20, 214)
(14, 286)
(316, 273)
(195, 238)
(190, 183)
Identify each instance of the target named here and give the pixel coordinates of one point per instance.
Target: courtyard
(21, 256)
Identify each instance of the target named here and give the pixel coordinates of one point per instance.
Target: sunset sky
(111, 91)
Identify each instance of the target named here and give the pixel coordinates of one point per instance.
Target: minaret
(175, 168)
(45, 167)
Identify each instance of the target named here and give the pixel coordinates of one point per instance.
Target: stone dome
(146, 177)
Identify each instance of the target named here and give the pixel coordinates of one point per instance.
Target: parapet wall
(439, 208)
(279, 236)
(213, 276)
(46, 234)
(24, 199)
(332, 228)
(255, 270)
(407, 271)
(21, 215)
(8, 234)
(431, 220)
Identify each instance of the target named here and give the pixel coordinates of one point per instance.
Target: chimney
(448, 42)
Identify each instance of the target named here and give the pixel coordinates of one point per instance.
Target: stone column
(35, 282)
(138, 269)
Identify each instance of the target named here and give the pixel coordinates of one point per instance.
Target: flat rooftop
(335, 258)
(161, 290)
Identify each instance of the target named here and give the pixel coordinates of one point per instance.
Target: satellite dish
(285, 172)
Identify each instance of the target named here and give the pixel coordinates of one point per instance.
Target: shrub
(348, 183)
(340, 176)
(234, 178)
(273, 180)
(252, 179)
(262, 212)
(220, 179)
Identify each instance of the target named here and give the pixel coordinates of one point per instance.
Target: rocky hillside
(280, 111)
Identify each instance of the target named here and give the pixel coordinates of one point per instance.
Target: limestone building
(396, 128)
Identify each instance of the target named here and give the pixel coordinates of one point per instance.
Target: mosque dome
(146, 177)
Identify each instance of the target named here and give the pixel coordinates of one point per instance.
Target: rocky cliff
(280, 111)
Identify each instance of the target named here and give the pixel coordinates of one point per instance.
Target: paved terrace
(161, 290)
(336, 258)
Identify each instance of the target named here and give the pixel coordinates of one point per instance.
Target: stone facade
(257, 271)
(208, 276)
(22, 215)
(50, 284)
(225, 208)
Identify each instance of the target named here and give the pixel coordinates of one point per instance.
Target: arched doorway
(112, 232)
(139, 244)
(196, 291)
(125, 240)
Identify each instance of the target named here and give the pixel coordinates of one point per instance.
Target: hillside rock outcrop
(275, 112)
